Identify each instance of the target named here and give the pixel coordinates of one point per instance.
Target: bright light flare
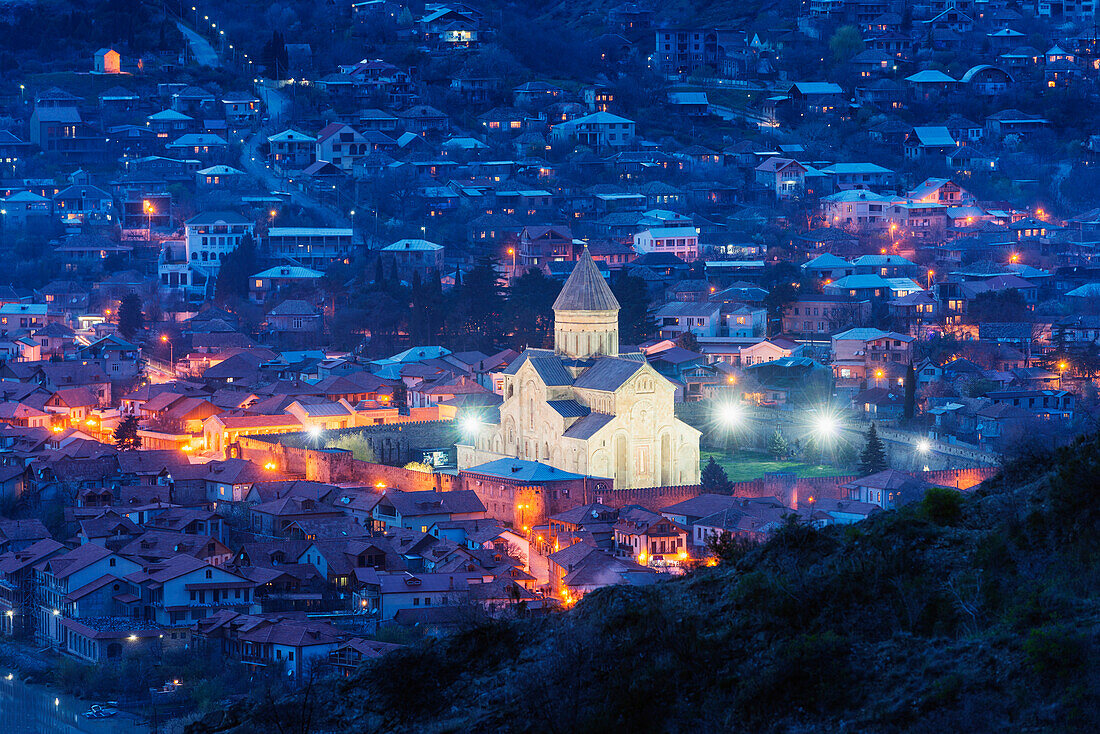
(826, 425)
(471, 425)
(731, 415)
(924, 446)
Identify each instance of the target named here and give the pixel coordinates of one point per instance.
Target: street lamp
(512, 252)
(171, 351)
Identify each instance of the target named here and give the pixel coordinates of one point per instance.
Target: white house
(681, 241)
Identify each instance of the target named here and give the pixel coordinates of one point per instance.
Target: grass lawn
(742, 466)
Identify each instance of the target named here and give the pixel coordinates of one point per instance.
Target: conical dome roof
(586, 289)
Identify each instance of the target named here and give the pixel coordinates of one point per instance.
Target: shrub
(1055, 651)
(942, 506)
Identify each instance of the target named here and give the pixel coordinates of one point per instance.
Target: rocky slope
(957, 615)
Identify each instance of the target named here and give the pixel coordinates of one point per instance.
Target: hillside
(957, 615)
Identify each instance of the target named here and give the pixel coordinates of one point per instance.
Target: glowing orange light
(272, 213)
(270, 466)
(380, 485)
(163, 338)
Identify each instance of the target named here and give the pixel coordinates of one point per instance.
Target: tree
(126, 435)
(873, 458)
(130, 318)
(714, 478)
(688, 341)
(778, 446)
(997, 307)
(909, 408)
(236, 268)
(635, 323)
(274, 56)
(477, 307)
(530, 309)
(845, 43)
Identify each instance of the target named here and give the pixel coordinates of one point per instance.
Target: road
(277, 106)
(204, 53)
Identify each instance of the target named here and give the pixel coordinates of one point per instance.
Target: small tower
(586, 314)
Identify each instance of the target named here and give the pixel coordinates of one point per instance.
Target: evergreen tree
(126, 435)
(400, 397)
(237, 267)
(477, 307)
(635, 321)
(714, 479)
(130, 318)
(274, 56)
(910, 406)
(530, 309)
(379, 273)
(778, 446)
(873, 458)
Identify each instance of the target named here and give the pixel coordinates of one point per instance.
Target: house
(889, 489)
(291, 150)
(930, 84)
(1014, 122)
(84, 204)
(870, 176)
(817, 98)
(986, 80)
(822, 316)
(420, 510)
(649, 538)
(183, 590)
(270, 282)
(211, 236)
(63, 582)
(204, 146)
(224, 178)
(311, 247)
(295, 324)
(404, 257)
(857, 354)
(598, 130)
(341, 145)
(108, 61)
(293, 645)
(169, 124)
(783, 176)
(680, 241)
(423, 120)
(678, 317)
(241, 109)
(928, 141)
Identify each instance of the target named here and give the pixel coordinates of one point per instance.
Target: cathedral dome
(586, 289)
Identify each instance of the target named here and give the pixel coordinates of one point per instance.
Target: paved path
(200, 48)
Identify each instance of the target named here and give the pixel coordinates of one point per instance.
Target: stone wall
(791, 490)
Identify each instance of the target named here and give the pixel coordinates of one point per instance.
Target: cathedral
(586, 408)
